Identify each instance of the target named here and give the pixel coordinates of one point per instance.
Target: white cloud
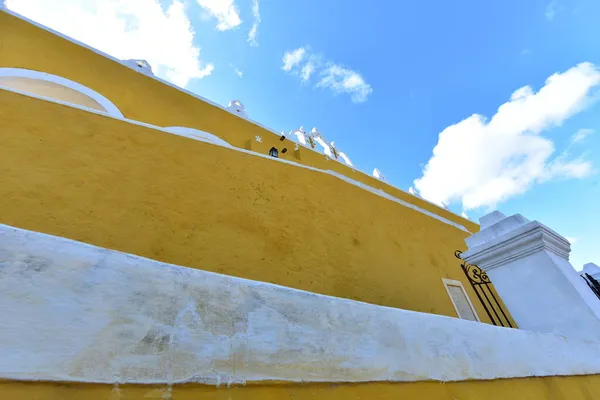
(333, 76)
(481, 162)
(550, 11)
(344, 80)
(308, 69)
(571, 240)
(580, 135)
(238, 72)
(224, 11)
(292, 58)
(126, 29)
(252, 35)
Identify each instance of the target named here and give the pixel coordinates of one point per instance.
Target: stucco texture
(145, 99)
(116, 317)
(109, 183)
(550, 388)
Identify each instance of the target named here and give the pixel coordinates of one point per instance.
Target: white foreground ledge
(75, 312)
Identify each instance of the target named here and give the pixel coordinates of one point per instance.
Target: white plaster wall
(541, 299)
(74, 312)
(529, 266)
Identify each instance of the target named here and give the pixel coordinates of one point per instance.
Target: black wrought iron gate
(483, 289)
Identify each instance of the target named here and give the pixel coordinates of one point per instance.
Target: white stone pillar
(528, 263)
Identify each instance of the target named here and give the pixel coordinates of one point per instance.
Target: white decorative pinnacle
(377, 174)
(236, 107)
(320, 140)
(300, 135)
(139, 65)
(313, 138)
(314, 132)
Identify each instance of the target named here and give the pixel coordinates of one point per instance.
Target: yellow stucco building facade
(94, 162)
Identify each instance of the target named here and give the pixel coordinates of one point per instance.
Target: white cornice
(515, 244)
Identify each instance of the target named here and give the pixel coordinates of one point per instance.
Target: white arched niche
(197, 134)
(56, 87)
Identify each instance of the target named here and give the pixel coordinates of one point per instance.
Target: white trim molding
(455, 283)
(197, 134)
(361, 185)
(109, 106)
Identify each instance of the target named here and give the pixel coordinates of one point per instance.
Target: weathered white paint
(197, 135)
(75, 312)
(42, 76)
(529, 266)
(340, 176)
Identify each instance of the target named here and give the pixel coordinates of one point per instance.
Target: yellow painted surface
(551, 388)
(141, 98)
(113, 184)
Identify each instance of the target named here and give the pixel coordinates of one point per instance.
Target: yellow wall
(144, 99)
(110, 183)
(550, 388)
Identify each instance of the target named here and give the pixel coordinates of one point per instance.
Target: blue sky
(417, 68)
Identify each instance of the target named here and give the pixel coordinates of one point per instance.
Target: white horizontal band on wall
(197, 134)
(75, 312)
(110, 108)
(371, 189)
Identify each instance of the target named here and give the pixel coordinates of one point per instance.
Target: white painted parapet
(528, 263)
(74, 312)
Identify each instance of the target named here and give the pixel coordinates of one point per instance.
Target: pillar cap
(502, 240)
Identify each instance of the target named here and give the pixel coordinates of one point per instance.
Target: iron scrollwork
(480, 282)
(476, 275)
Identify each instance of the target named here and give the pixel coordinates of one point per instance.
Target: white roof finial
(300, 135)
(377, 174)
(139, 65)
(236, 107)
